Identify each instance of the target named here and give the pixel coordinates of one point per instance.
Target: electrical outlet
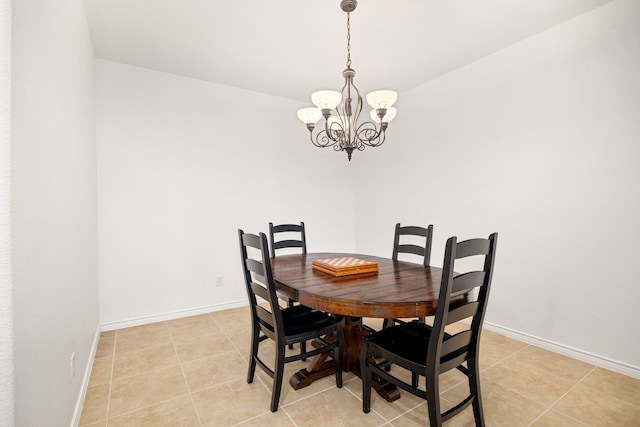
(72, 365)
(219, 281)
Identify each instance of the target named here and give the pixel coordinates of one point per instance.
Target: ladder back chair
(290, 236)
(405, 242)
(284, 326)
(430, 351)
(288, 241)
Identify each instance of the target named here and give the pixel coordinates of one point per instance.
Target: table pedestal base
(306, 376)
(320, 367)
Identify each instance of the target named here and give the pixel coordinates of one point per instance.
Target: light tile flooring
(192, 372)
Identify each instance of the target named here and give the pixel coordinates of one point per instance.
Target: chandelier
(342, 130)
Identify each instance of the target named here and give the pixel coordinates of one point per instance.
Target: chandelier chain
(348, 40)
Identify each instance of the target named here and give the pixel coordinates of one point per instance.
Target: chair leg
(365, 374)
(255, 341)
(415, 380)
(290, 304)
(338, 354)
(433, 400)
(474, 388)
(277, 379)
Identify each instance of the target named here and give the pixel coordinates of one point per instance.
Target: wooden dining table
(398, 290)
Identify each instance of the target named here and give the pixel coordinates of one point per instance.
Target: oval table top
(400, 289)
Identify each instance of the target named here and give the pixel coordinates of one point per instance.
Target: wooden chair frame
(411, 248)
(428, 350)
(285, 326)
(287, 243)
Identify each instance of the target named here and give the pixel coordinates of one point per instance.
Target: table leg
(320, 367)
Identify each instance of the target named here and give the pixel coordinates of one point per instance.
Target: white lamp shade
(390, 115)
(382, 98)
(326, 99)
(309, 115)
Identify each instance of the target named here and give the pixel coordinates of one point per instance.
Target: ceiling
(290, 48)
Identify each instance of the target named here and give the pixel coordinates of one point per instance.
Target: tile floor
(192, 372)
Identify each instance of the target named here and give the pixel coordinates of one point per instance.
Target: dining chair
(290, 236)
(288, 325)
(429, 351)
(411, 247)
(287, 240)
(408, 240)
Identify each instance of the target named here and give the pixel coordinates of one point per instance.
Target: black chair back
(260, 284)
(447, 353)
(400, 246)
(287, 241)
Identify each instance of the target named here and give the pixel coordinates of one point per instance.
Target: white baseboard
(594, 359)
(170, 316)
(85, 380)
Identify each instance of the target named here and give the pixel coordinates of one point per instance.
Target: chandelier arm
(337, 129)
(343, 123)
(329, 133)
(370, 134)
(368, 131)
(322, 139)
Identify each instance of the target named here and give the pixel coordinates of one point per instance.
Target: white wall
(6, 292)
(182, 164)
(539, 142)
(53, 208)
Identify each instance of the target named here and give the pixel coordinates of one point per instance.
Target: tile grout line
(386, 421)
(166, 324)
(256, 376)
(290, 417)
(151, 405)
(561, 397)
(224, 332)
(175, 349)
(227, 337)
(505, 358)
(113, 364)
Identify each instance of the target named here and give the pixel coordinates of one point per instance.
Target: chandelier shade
(326, 99)
(341, 111)
(382, 98)
(309, 115)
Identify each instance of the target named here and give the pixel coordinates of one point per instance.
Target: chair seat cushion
(408, 340)
(300, 319)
